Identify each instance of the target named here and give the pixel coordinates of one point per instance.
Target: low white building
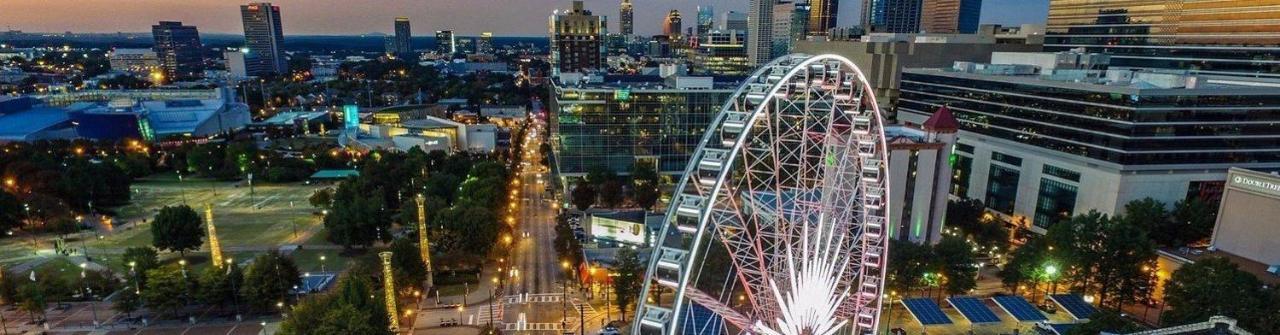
(920, 177)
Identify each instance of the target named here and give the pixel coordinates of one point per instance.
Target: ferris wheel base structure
(778, 225)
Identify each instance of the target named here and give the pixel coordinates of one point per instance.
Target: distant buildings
(950, 16)
(1233, 37)
(671, 25)
(790, 24)
(141, 61)
(706, 20)
(237, 68)
(883, 56)
(732, 20)
(178, 118)
(626, 18)
(822, 16)
(891, 16)
(617, 122)
(722, 52)
(446, 43)
(1045, 136)
(485, 44)
(577, 40)
(264, 37)
(760, 31)
(401, 45)
(179, 51)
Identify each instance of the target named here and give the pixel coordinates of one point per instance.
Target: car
(448, 322)
(610, 330)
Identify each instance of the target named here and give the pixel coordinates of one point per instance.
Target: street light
(322, 263)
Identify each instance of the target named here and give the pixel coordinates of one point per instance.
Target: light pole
(1051, 272)
(235, 292)
(322, 264)
(93, 306)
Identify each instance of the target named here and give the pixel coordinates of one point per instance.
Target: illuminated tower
(423, 242)
(215, 249)
(389, 286)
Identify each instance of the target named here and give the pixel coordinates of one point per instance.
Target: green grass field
(266, 217)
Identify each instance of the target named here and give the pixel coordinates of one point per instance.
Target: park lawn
(308, 260)
(61, 267)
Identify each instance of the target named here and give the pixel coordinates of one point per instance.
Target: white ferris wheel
(778, 225)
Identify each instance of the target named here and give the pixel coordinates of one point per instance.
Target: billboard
(351, 117)
(618, 230)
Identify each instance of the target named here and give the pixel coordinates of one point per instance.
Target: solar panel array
(926, 311)
(1019, 308)
(973, 309)
(1074, 304)
(1062, 328)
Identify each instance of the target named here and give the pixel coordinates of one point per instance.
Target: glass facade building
(179, 51)
(1241, 37)
(621, 122)
(1123, 124)
(264, 37)
(892, 16)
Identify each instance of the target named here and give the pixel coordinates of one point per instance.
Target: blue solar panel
(1061, 328)
(1074, 304)
(973, 309)
(1019, 308)
(926, 311)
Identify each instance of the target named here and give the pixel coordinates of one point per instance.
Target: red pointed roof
(942, 121)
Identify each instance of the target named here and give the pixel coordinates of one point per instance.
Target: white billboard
(617, 230)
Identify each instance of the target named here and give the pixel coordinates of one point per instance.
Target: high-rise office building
(1222, 37)
(446, 43)
(671, 24)
(890, 16)
(485, 44)
(782, 14)
(401, 45)
(577, 40)
(722, 52)
(760, 31)
(706, 20)
(264, 36)
(1044, 136)
(822, 16)
(732, 20)
(950, 16)
(800, 20)
(626, 18)
(617, 122)
(179, 50)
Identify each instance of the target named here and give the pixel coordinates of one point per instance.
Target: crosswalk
(533, 326)
(483, 316)
(532, 298)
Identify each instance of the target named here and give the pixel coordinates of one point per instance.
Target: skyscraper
(822, 16)
(782, 13)
(950, 16)
(671, 24)
(1221, 37)
(760, 31)
(264, 36)
(626, 18)
(706, 20)
(890, 16)
(732, 20)
(179, 50)
(401, 45)
(446, 44)
(485, 44)
(800, 20)
(577, 40)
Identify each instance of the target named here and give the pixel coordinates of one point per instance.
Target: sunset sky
(345, 17)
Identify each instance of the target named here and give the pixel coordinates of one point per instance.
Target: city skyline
(317, 17)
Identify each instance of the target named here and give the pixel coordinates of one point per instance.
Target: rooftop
(18, 126)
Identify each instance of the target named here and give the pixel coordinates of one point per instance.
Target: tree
(127, 301)
(406, 263)
(1025, 264)
(166, 291)
(628, 283)
(11, 213)
(956, 260)
(644, 174)
(1210, 287)
(584, 196)
(599, 174)
(1193, 219)
(350, 309)
(33, 299)
(356, 218)
(646, 195)
(467, 228)
(218, 285)
(140, 260)
(1150, 214)
(1112, 255)
(268, 280)
(177, 228)
(907, 264)
(611, 193)
(321, 198)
